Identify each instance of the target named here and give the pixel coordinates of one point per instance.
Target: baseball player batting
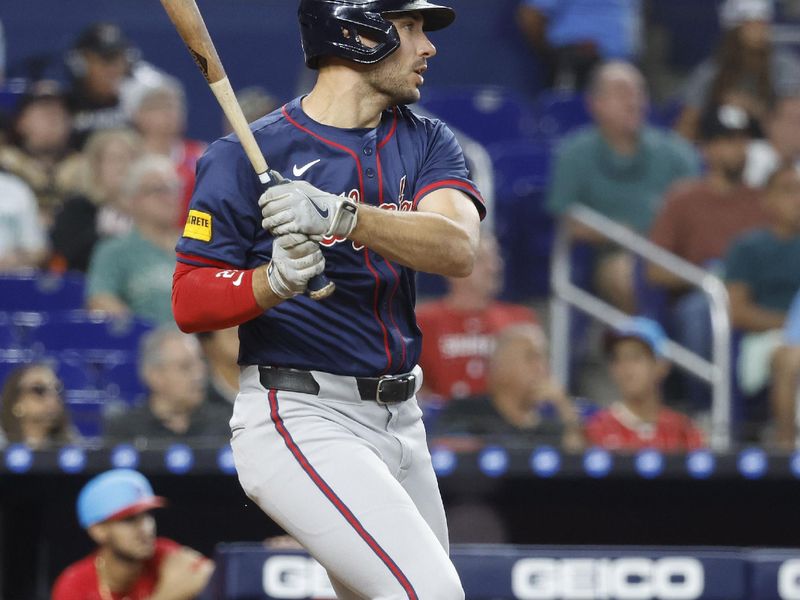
(327, 434)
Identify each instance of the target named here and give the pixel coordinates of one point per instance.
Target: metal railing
(566, 294)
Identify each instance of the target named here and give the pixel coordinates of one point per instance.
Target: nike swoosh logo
(322, 212)
(238, 281)
(299, 172)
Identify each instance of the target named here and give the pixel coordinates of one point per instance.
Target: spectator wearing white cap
(130, 561)
(746, 70)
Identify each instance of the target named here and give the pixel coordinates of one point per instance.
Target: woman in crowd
(32, 410)
(96, 210)
(747, 70)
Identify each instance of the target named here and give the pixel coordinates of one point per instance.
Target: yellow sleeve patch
(198, 226)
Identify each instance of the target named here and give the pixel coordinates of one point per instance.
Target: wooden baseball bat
(186, 17)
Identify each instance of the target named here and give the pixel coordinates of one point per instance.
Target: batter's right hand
(295, 260)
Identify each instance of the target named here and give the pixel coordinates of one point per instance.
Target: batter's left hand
(299, 207)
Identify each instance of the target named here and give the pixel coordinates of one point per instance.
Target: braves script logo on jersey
(354, 195)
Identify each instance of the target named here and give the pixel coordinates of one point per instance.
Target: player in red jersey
(131, 563)
(459, 330)
(639, 419)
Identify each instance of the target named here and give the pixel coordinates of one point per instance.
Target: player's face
(400, 76)
(634, 369)
(133, 538)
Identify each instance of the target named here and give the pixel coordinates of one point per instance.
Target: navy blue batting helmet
(334, 27)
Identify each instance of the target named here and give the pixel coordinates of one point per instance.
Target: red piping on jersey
(376, 313)
(380, 178)
(330, 143)
(391, 308)
(446, 183)
(364, 200)
(193, 258)
(323, 486)
(391, 131)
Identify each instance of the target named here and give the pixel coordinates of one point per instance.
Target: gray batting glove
(299, 207)
(293, 265)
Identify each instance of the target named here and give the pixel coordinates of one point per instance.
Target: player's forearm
(207, 298)
(424, 241)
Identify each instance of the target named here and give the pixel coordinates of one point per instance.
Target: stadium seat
(524, 228)
(86, 408)
(488, 114)
(558, 113)
(41, 292)
(88, 333)
(119, 377)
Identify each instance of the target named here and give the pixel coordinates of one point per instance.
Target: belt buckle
(406, 379)
(379, 390)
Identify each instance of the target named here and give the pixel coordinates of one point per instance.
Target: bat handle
(319, 287)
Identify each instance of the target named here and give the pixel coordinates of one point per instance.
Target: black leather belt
(383, 390)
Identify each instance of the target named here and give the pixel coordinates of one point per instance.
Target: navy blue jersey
(367, 327)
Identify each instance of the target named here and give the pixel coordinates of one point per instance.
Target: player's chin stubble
(391, 82)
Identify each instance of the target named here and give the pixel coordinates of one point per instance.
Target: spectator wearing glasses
(32, 410)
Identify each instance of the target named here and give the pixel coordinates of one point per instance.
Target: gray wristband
(277, 283)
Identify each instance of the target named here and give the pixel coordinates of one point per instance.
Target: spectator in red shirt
(131, 562)
(639, 419)
(459, 330)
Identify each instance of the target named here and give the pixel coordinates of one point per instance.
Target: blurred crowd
(96, 175)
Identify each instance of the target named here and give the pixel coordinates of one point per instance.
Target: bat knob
(320, 287)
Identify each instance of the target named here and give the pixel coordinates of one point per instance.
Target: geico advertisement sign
(286, 577)
(672, 578)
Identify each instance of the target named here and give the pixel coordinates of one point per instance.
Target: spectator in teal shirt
(133, 274)
(620, 167)
(762, 271)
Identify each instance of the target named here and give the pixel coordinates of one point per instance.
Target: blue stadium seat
(41, 292)
(88, 333)
(524, 228)
(559, 113)
(488, 114)
(119, 378)
(86, 409)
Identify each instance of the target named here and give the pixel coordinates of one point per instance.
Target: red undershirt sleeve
(209, 298)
